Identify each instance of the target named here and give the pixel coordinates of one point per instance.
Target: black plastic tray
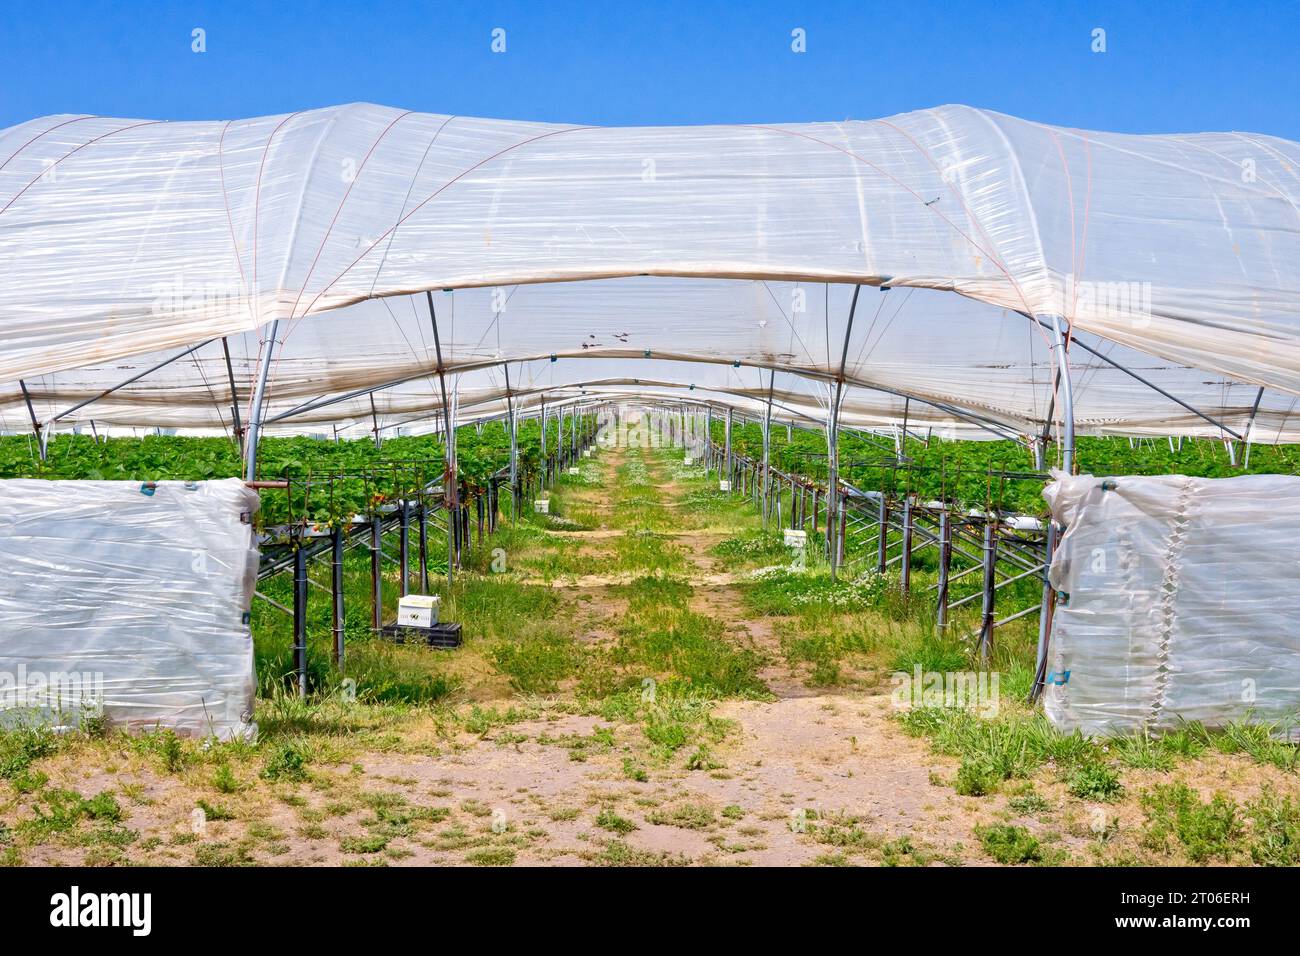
(439, 635)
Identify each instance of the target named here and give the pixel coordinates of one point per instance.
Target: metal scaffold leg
(424, 546)
(990, 554)
(905, 566)
(1046, 609)
(882, 547)
(945, 567)
(377, 572)
(404, 548)
(300, 617)
(336, 592)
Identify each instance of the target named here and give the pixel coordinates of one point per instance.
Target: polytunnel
(298, 268)
(365, 269)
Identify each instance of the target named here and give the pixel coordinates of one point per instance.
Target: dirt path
(798, 758)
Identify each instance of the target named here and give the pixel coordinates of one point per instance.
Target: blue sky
(1167, 66)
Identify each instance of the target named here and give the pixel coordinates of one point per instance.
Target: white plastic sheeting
(946, 353)
(129, 596)
(1177, 600)
(126, 237)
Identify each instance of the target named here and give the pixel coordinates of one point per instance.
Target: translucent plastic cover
(1177, 255)
(1176, 602)
(131, 598)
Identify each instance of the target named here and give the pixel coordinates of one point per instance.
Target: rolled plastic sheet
(1176, 602)
(128, 599)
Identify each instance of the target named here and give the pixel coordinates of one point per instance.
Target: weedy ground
(648, 678)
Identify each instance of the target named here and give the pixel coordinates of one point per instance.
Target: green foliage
(931, 655)
(1009, 746)
(975, 778)
(21, 745)
(780, 591)
(287, 761)
(1009, 844)
(536, 663)
(607, 819)
(57, 810)
(752, 548)
(103, 806)
(331, 480)
(1275, 831)
(1028, 803)
(214, 811)
(492, 856)
(992, 474)
(1206, 830)
(1095, 781)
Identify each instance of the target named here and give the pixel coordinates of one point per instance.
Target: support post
(377, 571)
(882, 546)
(767, 448)
(989, 589)
(945, 568)
(404, 546)
(514, 452)
(259, 398)
(336, 592)
(842, 532)
(374, 418)
(708, 442)
(544, 465)
(424, 544)
(1047, 608)
(448, 445)
(36, 424)
(1066, 388)
(234, 396)
(727, 448)
(300, 616)
(905, 580)
(1250, 428)
(833, 439)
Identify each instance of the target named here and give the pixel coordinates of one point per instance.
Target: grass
(687, 816)
(492, 856)
(1205, 830)
(607, 819)
(1017, 742)
(538, 662)
(1095, 781)
(753, 549)
(1009, 845)
(20, 746)
(682, 650)
(1275, 823)
(787, 591)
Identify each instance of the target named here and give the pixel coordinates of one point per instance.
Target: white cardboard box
(542, 506)
(573, 471)
(586, 453)
(688, 460)
(796, 538)
(418, 610)
(724, 485)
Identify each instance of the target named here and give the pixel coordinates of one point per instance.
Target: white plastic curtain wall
(130, 600)
(1176, 603)
(122, 238)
